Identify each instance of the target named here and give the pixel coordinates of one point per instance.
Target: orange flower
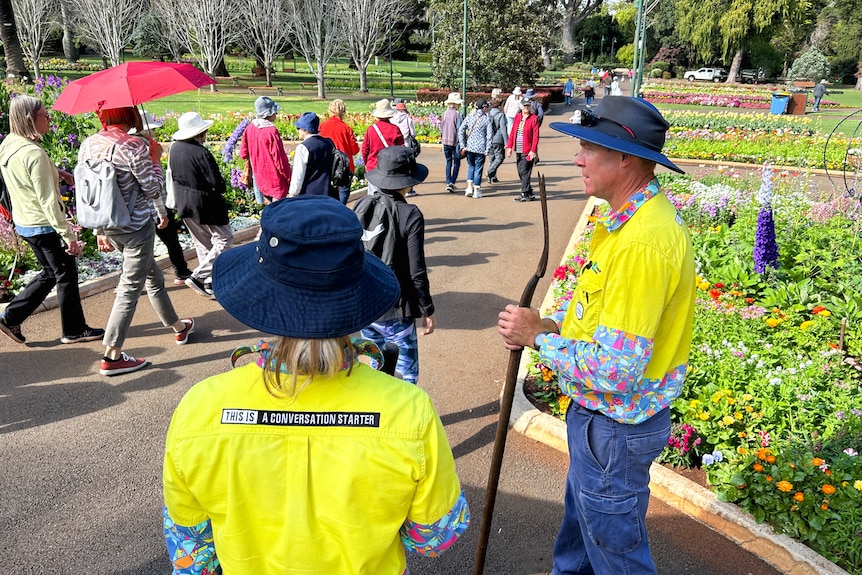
(817, 309)
(816, 462)
(758, 467)
(769, 478)
(828, 472)
(824, 507)
(784, 486)
(771, 459)
(749, 300)
(799, 496)
(828, 489)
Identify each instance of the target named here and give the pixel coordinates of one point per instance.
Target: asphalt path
(81, 454)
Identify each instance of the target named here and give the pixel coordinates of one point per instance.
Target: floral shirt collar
(614, 220)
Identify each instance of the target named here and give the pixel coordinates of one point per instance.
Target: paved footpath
(81, 453)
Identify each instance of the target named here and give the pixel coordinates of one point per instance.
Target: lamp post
(464, 61)
(391, 84)
(582, 49)
(613, 42)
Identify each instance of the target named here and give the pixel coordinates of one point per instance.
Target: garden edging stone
(782, 552)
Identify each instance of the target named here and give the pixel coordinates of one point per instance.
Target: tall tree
(848, 32)
(206, 27)
(36, 19)
(502, 46)
(724, 27)
(366, 36)
(169, 27)
(70, 50)
(573, 13)
(12, 50)
(317, 32)
(266, 29)
(106, 24)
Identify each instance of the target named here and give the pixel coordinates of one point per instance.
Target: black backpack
(378, 215)
(5, 201)
(340, 175)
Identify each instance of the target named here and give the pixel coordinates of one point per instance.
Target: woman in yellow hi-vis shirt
(307, 461)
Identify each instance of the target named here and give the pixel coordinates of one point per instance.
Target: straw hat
(383, 109)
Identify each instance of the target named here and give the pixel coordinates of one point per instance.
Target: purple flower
(765, 246)
(230, 145)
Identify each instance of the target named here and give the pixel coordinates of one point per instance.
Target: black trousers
(169, 237)
(525, 172)
(58, 268)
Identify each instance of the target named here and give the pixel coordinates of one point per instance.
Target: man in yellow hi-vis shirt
(620, 346)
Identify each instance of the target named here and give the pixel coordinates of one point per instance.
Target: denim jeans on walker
(475, 164)
(401, 332)
(607, 493)
(453, 164)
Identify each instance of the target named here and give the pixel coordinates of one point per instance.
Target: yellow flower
(703, 285)
(731, 401)
(857, 484)
(772, 322)
(825, 313)
(703, 415)
(784, 486)
(728, 420)
(564, 402)
(742, 434)
(694, 403)
(738, 415)
(806, 324)
(747, 396)
(749, 409)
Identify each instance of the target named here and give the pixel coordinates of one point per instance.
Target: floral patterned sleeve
(432, 540)
(615, 361)
(191, 549)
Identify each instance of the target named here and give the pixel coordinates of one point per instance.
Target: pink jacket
(261, 143)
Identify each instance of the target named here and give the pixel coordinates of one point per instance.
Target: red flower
(749, 300)
(817, 309)
(719, 285)
(714, 293)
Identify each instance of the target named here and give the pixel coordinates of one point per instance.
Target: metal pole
(638, 47)
(391, 85)
(602, 46)
(643, 49)
(464, 62)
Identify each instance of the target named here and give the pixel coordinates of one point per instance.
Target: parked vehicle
(707, 74)
(752, 76)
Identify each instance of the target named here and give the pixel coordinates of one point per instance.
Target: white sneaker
(477, 193)
(468, 192)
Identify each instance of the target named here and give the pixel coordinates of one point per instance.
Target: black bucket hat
(396, 169)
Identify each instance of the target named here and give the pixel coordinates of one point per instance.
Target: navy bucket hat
(308, 276)
(625, 124)
(309, 122)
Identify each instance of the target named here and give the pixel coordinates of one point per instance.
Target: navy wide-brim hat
(396, 169)
(308, 276)
(625, 124)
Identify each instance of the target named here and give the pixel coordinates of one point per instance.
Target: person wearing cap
(307, 460)
(169, 235)
(474, 138)
(620, 346)
(395, 175)
(819, 91)
(381, 134)
(535, 105)
(524, 141)
(312, 160)
(199, 190)
(129, 155)
(450, 124)
(403, 121)
(342, 136)
(263, 147)
(511, 108)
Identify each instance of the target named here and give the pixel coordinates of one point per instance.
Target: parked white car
(707, 74)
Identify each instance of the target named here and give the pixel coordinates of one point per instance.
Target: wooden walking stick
(506, 400)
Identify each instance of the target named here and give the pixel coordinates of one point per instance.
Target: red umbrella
(129, 84)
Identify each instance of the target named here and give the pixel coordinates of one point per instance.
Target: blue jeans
(475, 163)
(453, 164)
(401, 332)
(607, 493)
(344, 194)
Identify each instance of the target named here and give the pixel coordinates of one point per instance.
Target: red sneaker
(124, 364)
(182, 337)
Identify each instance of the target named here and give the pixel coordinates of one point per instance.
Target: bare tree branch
(317, 32)
(106, 24)
(367, 34)
(265, 30)
(36, 19)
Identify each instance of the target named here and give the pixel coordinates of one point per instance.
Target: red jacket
(371, 144)
(531, 134)
(269, 163)
(341, 135)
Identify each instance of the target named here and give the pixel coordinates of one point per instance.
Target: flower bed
(770, 407)
(720, 95)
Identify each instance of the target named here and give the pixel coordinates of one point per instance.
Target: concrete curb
(780, 551)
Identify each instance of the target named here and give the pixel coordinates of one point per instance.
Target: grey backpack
(98, 199)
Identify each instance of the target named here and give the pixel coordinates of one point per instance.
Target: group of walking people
(492, 131)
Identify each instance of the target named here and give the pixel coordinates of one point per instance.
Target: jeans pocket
(641, 450)
(613, 522)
